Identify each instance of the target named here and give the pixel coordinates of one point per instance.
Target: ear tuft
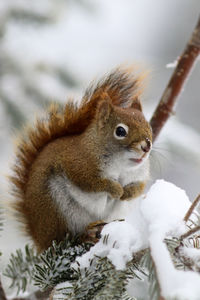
(103, 112)
(136, 104)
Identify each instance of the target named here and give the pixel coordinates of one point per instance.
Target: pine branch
(100, 281)
(46, 269)
(180, 258)
(55, 263)
(154, 287)
(166, 105)
(21, 268)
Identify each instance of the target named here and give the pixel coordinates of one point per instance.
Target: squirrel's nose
(146, 145)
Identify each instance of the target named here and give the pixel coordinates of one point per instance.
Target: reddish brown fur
(121, 88)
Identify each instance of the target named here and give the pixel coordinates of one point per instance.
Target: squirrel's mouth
(136, 160)
(139, 160)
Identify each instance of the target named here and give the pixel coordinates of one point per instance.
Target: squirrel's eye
(121, 131)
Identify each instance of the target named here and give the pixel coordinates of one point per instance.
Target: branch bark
(190, 232)
(166, 105)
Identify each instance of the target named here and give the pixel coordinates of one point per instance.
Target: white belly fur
(81, 208)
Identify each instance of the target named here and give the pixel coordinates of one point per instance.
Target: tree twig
(175, 85)
(190, 232)
(192, 207)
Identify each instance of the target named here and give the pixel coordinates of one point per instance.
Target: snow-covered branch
(160, 227)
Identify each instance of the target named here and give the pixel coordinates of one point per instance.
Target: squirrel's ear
(136, 104)
(103, 112)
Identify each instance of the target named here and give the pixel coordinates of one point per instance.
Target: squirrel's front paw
(116, 190)
(132, 190)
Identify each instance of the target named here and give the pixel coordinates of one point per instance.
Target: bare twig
(175, 85)
(191, 209)
(2, 293)
(189, 232)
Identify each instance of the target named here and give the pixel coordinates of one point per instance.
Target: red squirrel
(76, 165)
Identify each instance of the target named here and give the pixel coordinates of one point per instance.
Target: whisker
(158, 160)
(155, 165)
(169, 149)
(155, 152)
(161, 148)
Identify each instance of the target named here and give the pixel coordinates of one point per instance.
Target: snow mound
(155, 216)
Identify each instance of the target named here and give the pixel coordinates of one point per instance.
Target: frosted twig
(192, 207)
(190, 232)
(165, 107)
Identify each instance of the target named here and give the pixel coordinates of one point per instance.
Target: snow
(171, 280)
(172, 64)
(119, 241)
(164, 208)
(161, 212)
(193, 254)
(58, 294)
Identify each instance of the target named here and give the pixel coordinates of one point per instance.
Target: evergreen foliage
(47, 269)
(100, 281)
(56, 268)
(148, 265)
(21, 268)
(55, 263)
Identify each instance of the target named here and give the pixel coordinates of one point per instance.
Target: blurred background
(50, 50)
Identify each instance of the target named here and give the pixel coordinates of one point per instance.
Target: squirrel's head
(124, 131)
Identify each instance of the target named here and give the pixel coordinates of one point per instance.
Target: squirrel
(75, 166)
